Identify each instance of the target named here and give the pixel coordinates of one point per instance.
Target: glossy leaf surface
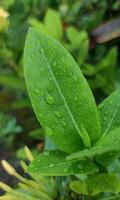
(60, 95)
(54, 164)
(110, 112)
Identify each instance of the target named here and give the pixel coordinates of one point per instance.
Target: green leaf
(38, 25)
(53, 24)
(85, 137)
(109, 111)
(96, 184)
(110, 140)
(12, 82)
(105, 183)
(116, 197)
(107, 143)
(54, 164)
(78, 41)
(60, 95)
(81, 187)
(89, 153)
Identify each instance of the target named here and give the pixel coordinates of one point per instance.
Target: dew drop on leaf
(49, 99)
(75, 78)
(51, 165)
(64, 124)
(37, 91)
(65, 170)
(58, 114)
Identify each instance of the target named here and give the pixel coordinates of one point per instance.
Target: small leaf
(53, 24)
(110, 140)
(109, 111)
(54, 164)
(81, 187)
(97, 184)
(105, 183)
(60, 95)
(85, 137)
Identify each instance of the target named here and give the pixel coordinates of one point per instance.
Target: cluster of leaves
(71, 23)
(64, 105)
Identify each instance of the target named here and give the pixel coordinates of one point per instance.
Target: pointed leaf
(60, 95)
(54, 164)
(110, 140)
(85, 137)
(107, 143)
(105, 183)
(97, 184)
(81, 187)
(109, 111)
(88, 153)
(53, 24)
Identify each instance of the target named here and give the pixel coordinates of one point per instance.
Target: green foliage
(54, 164)
(58, 77)
(77, 26)
(97, 184)
(8, 129)
(110, 112)
(50, 83)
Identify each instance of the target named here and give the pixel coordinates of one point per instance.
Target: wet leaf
(54, 164)
(109, 111)
(60, 95)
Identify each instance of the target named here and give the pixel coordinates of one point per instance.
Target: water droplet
(58, 114)
(75, 78)
(37, 91)
(64, 124)
(49, 131)
(41, 50)
(51, 165)
(65, 170)
(75, 98)
(49, 99)
(50, 79)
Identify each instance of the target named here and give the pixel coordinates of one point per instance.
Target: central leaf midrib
(63, 97)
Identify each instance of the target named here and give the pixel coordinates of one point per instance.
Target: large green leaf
(107, 143)
(54, 164)
(110, 112)
(60, 95)
(96, 184)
